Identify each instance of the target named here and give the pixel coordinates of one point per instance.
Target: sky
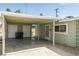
(48, 9)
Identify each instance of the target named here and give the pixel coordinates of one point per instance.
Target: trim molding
(65, 33)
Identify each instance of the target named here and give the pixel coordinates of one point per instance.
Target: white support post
(3, 35)
(53, 33)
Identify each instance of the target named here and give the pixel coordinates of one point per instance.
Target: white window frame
(49, 32)
(63, 32)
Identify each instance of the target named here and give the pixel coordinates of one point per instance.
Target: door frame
(48, 38)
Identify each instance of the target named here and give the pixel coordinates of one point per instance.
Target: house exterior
(69, 37)
(63, 31)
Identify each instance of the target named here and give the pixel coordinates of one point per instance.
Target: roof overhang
(68, 19)
(23, 18)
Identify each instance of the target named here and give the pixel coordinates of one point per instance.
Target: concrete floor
(27, 47)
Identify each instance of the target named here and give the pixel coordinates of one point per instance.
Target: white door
(12, 29)
(47, 32)
(26, 30)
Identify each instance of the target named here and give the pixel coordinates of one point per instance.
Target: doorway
(35, 32)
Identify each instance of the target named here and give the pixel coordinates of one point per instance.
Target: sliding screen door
(47, 32)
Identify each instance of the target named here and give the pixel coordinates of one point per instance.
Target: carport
(44, 23)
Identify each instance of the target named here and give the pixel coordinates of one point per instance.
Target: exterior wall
(12, 28)
(26, 30)
(38, 31)
(77, 33)
(42, 31)
(68, 39)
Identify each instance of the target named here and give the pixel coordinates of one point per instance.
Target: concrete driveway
(35, 48)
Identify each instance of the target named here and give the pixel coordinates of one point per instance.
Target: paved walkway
(37, 48)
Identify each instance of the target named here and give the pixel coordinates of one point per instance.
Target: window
(57, 28)
(61, 28)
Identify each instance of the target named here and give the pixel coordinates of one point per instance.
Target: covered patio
(11, 44)
(37, 48)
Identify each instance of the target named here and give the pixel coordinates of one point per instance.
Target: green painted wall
(77, 33)
(67, 39)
